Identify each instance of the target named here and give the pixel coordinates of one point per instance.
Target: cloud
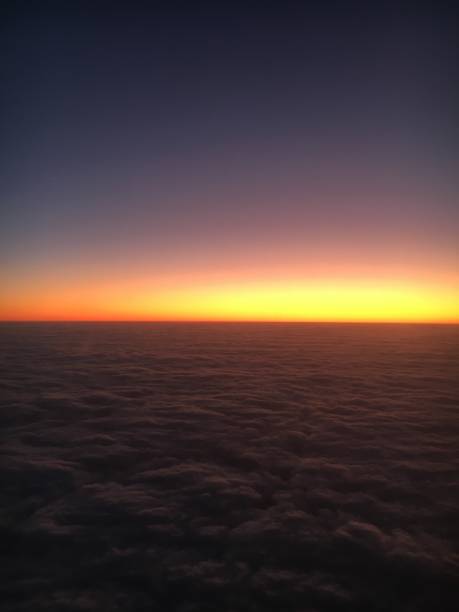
(281, 472)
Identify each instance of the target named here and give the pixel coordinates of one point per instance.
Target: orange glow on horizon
(319, 300)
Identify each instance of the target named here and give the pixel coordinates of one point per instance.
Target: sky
(241, 161)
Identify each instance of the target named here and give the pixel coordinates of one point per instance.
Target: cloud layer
(229, 467)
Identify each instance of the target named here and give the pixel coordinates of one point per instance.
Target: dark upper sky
(165, 138)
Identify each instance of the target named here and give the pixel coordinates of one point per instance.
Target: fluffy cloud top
(229, 467)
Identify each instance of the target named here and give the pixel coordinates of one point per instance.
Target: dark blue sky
(136, 132)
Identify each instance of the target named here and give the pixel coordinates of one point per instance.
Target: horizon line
(250, 321)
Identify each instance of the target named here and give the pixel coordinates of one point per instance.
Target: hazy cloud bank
(229, 467)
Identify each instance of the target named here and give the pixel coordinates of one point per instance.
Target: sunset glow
(267, 301)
